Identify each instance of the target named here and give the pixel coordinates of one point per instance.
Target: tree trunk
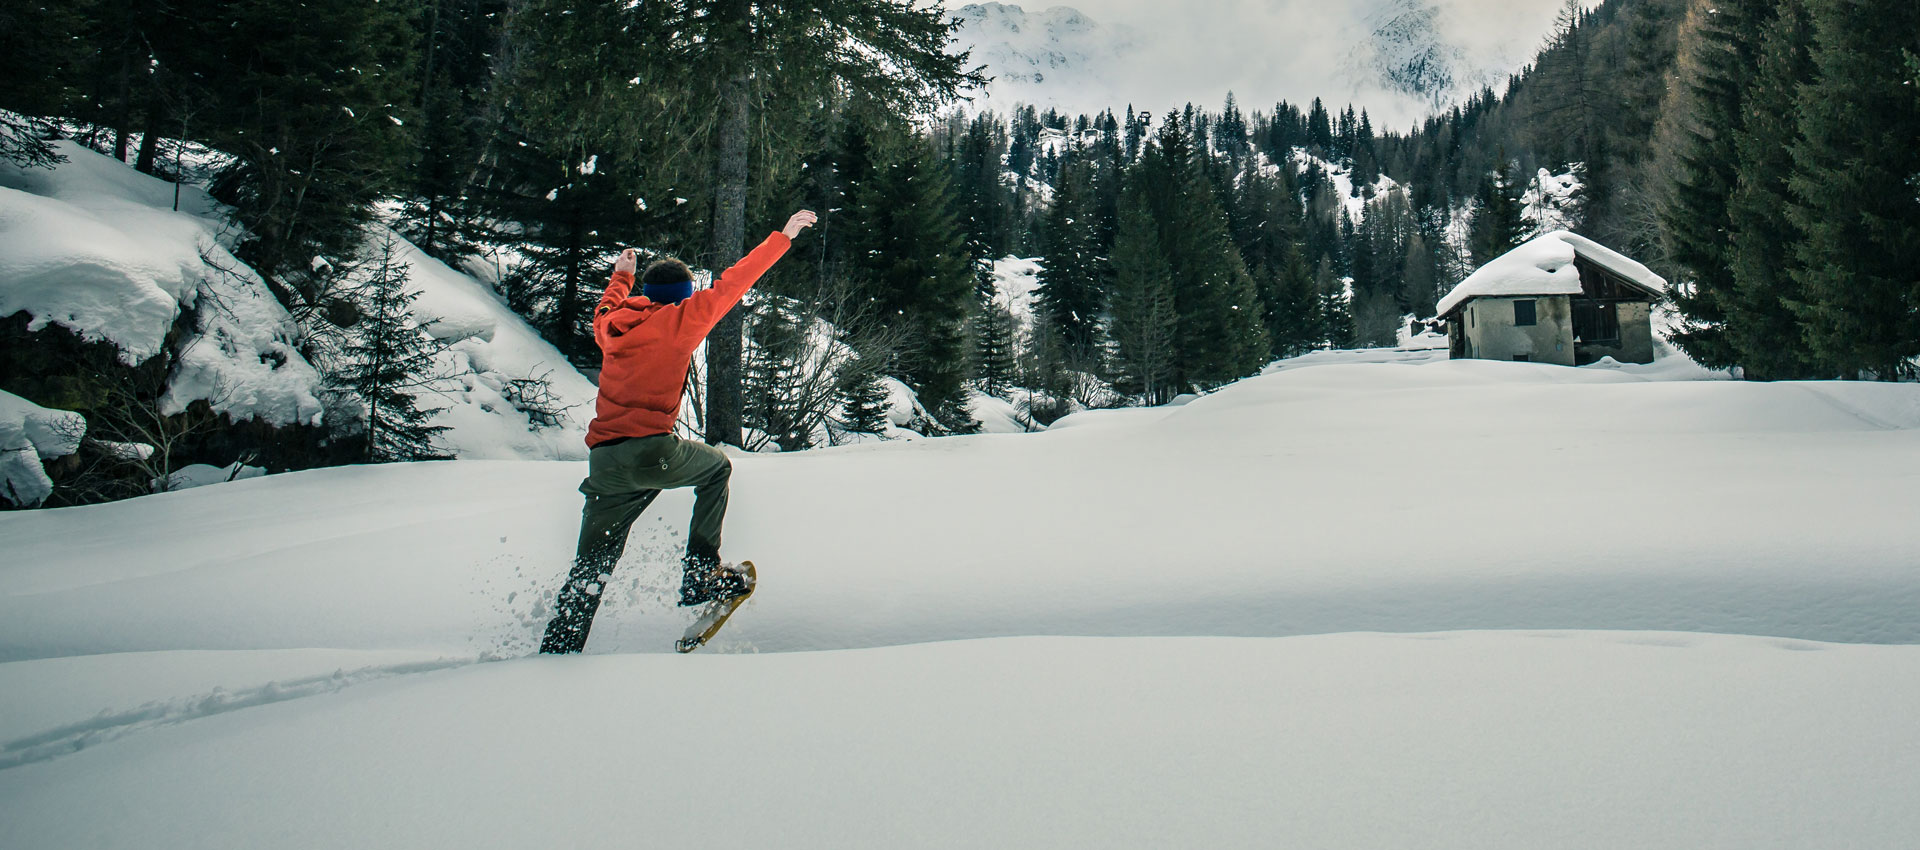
(125, 118)
(729, 243)
(568, 331)
(150, 144)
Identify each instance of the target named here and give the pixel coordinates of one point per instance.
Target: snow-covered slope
(176, 654)
(98, 248)
(491, 348)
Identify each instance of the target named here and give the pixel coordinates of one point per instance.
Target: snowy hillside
(98, 248)
(1400, 59)
(1163, 629)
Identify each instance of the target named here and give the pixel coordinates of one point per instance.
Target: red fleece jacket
(648, 346)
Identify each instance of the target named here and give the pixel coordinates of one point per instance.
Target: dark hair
(665, 270)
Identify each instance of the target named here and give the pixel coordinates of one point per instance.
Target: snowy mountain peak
(1401, 59)
(1403, 51)
(1057, 57)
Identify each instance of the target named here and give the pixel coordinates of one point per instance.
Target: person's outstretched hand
(800, 221)
(627, 262)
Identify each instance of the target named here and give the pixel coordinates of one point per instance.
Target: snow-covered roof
(1544, 266)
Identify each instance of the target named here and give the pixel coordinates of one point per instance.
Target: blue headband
(667, 293)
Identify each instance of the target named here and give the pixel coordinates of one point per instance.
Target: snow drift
(229, 671)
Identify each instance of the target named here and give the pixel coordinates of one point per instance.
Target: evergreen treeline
(1794, 213)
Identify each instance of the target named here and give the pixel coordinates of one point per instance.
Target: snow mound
(1544, 266)
(97, 248)
(1475, 740)
(104, 266)
(30, 434)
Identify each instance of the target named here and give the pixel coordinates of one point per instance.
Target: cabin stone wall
(1488, 324)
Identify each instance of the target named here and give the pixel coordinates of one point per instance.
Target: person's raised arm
(705, 309)
(620, 285)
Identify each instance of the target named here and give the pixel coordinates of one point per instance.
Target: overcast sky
(1268, 50)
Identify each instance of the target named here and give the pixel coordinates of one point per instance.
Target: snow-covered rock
(1554, 201)
(30, 434)
(99, 249)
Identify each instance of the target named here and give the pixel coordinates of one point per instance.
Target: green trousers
(622, 480)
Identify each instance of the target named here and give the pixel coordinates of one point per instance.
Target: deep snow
(169, 663)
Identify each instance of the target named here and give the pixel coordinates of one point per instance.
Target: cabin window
(1523, 313)
(1522, 358)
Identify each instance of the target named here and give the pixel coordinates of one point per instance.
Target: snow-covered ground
(1364, 600)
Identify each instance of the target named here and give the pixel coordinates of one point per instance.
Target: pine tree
(1419, 277)
(456, 72)
(889, 54)
(38, 50)
(1219, 336)
(1858, 125)
(1497, 225)
(1143, 316)
(1293, 307)
(1070, 296)
(775, 406)
(1761, 327)
(1335, 308)
(1716, 61)
(386, 358)
(986, 203)
(313, 109)
(994, 351)
(864, 400)
(908, 255)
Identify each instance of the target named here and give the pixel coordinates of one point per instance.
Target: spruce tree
(995, 357)
(1292, 306)
(385, 360)
(908, 256)
(1335, 306)
(1853, 167)
(1717, 60)
(1497, 225)
(1219, 336)
(39, 48)
(864, 399)
(1761, 327)
(775, 405)
(1069, 296)
(314, 109)
(1144, 321)
(739, 73)
(458, 40)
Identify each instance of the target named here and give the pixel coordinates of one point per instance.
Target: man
(632, 453)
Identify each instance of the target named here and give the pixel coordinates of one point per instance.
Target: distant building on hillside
(1561, 298)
